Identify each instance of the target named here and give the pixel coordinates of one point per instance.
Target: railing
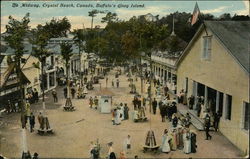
(164, 60)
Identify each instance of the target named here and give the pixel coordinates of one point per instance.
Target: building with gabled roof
(215, 65)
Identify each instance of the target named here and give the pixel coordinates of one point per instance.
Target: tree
(92, 14)
(225, 16)
(57, 27)
(130, 45)
(39, 40)
(16, 34)
(79, 38)
(66, 52)
(110, 17)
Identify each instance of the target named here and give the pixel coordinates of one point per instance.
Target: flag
(196, 13)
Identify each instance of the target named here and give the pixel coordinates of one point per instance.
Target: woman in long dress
(165, 142)
(187, 141)
(173, 141)
(203, 111)
(117, 117)
(122, 111)
(180, 138)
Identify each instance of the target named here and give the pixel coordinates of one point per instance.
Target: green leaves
(66, 52)
(110, 17)
(16, 33)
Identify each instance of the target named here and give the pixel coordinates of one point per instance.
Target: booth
(105, 100)
(105, 103)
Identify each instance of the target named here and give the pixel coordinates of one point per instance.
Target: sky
(77, 11)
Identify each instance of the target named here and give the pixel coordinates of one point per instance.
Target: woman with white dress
(117, 117)
(122, 111)
(187, 141)
(165, 147)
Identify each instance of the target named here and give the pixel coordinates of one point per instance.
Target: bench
(152, 148)
(69, 108)
(43, 131)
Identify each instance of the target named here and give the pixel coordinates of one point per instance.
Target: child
(128, 144)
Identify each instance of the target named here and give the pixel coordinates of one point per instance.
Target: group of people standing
(179, 138)
(120, 113)
(167, 108)
(93, 102)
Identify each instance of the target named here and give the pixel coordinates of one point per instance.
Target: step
(197, 123)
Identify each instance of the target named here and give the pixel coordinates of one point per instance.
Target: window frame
(206, 47)
(243, 115)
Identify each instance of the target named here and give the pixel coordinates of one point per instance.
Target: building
(32, 73)
(164, 62)
(215, 64)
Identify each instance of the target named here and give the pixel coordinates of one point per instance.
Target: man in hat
(54, 94)
(32, 122)
(154, 104)
(207, 126)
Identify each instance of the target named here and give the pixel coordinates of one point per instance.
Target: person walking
(40, 120)
(126, 110)
(128, 144)
(36, 95)
(154, 104)
(32, 122)
(162, 111)
(73, 91)
(96, 102)
(54, 94)
(207, 126)
(91, 102)
(117, 82)
(107, 82)
(65, 92)
(23, 120)
(27, 108)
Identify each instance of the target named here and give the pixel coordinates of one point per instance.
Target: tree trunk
(43, 85)
(92, 21)
(67, 78)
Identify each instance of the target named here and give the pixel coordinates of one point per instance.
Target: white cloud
(244, 11)
(155, 10)
(75, 21)
(215, 10)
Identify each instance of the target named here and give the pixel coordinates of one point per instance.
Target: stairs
(196, 121)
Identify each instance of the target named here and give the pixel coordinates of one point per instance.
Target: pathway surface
(75, 130)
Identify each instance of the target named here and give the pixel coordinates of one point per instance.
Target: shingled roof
(235, 35)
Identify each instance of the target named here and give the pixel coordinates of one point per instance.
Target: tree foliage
(110, 17)
(16, 33)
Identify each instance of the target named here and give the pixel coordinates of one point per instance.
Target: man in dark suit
(154, 104)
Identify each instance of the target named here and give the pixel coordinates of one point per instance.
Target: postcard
(127, 79)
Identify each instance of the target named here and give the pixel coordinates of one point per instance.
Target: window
(246, 115)
(228, 107)
(206, 48)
